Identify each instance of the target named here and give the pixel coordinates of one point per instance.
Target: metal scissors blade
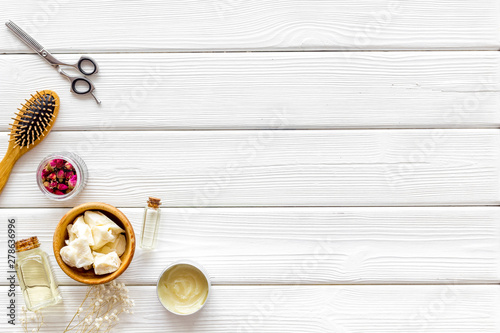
(23, 35)
(34, 45)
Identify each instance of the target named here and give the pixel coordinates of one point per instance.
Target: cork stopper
(27, 244)
(154, 202)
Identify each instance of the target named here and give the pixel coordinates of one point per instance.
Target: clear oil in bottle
(35, 275)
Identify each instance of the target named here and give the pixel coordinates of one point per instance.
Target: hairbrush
(33, 121)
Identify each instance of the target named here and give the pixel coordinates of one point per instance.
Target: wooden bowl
(61, 234)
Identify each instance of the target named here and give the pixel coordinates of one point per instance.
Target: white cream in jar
(183, 289)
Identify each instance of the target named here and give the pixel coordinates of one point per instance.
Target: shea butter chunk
(77, 254)
(71, 234)
(82, 231)
(95, 218)
(102, 235)
(106, 263)
(118, 246)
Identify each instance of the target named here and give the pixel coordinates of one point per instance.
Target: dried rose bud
(52, 176)
(53, 184)
(49, 168)
(57, 163)
(49, 189)
(68, 166)
(46, 184)
(72, 182)
(58, 192)
(61, 174)
(62, 187)
(69, 174)
(45, 173)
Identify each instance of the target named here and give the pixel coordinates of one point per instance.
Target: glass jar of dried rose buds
(61, 176)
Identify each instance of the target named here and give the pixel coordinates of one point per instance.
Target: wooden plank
(305, 309)
(305, 245)
(269, 90)
(255, 25)
(273, 168)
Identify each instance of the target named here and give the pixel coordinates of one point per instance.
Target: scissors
(86, 65)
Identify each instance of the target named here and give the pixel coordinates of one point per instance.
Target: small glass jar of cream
(183, 288)
(61, 176)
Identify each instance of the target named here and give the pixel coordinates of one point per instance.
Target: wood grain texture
(255, 25)
(378, 140)
(273, 168)
(304, 309)
(269, 90)
(305, 245)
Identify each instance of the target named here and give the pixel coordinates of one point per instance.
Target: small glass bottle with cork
(35, 275)
(151, 224)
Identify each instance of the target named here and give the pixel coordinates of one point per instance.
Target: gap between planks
(309, 285)
(257, 207)
(472, 127)
(251, 51)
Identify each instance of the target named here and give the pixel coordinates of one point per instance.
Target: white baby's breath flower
(109, 301)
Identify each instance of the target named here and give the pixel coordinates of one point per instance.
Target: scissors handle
(86, 61)
(86, 65)
(83, 86)
(80, 85)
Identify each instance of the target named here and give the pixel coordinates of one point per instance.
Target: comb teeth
(33, 119)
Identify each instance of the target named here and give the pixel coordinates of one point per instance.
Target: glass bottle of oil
(35, 275)
(151, 224)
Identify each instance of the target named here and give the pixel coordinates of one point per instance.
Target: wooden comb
(33, 121)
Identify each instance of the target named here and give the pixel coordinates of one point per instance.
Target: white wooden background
(326, 184)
